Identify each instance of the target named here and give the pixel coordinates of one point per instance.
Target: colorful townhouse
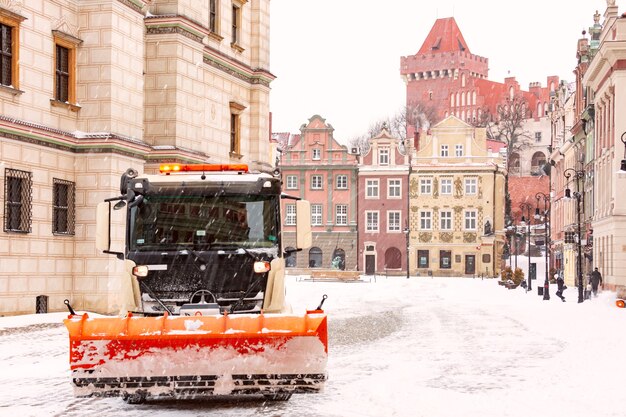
(383, 205)
(456, 208)
(315, 167)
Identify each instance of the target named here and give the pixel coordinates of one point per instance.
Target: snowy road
(418, 347)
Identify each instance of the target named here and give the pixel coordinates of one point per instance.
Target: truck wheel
(278, 397)
(138, 397)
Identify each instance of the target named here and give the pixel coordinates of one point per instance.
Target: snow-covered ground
(397, 347)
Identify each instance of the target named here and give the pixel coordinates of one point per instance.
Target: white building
(89, 88)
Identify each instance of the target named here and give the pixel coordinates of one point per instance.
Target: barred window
(18, 200)
(63, 204)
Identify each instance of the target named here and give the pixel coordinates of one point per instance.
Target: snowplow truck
(205, 311)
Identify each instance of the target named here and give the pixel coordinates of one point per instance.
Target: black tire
(278, 397)
(138, 397)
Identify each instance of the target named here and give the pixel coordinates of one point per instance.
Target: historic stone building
(317, 168)
(456, 213)
(383, 205)
(91, 88)
(445, 78)
(604, 82)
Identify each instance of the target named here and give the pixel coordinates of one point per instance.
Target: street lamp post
(546, 210)
(528, 208)
(406, 232)
(578, 175)
(623, 163)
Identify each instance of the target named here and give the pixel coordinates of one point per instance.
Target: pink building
(383, 204)
(317, 168)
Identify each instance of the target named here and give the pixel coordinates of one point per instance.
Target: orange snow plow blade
(273, 355)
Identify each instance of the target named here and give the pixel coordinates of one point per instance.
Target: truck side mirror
(304, 235)
(103, 226)
(103, 229)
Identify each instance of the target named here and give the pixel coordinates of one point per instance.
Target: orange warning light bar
(169, 168)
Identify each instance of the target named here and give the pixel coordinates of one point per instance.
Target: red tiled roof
(445, 36)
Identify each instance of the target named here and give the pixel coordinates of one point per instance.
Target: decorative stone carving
(469, 237)
(425, 237)
(458, 188)
(63, 26)
(14, 6)
(413, 188)
(446, 237)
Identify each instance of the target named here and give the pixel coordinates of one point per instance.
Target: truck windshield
(203, 222)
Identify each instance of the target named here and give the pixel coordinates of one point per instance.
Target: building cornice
(181, 25)
(95, 142)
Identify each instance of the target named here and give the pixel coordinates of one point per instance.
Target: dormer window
(383, 156)
(317, 154)
(458, 150)
(444, 151)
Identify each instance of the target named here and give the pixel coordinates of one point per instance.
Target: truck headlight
(261, 267)
(140, 271)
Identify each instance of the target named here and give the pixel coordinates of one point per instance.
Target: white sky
(341, 60)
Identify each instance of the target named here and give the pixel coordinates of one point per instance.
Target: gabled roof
(445, 36)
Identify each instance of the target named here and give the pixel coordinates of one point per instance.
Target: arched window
(393, 258)
(291, 260)
(537, 162)
(474, 98)
(463, 98)
(462, 80)
(339, 259)
(539, 109)
(511, 92)
(315, 257)
(451, 100)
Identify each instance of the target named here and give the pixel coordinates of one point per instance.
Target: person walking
(560, 287)
(596, 280)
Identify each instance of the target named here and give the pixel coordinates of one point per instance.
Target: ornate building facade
(383, 205)
(91, 88)
(456, 209)
(317, 168)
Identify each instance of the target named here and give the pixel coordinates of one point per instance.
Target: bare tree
(415, 114)
(508, 127)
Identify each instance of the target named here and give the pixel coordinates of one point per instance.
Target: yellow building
(456, 216)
